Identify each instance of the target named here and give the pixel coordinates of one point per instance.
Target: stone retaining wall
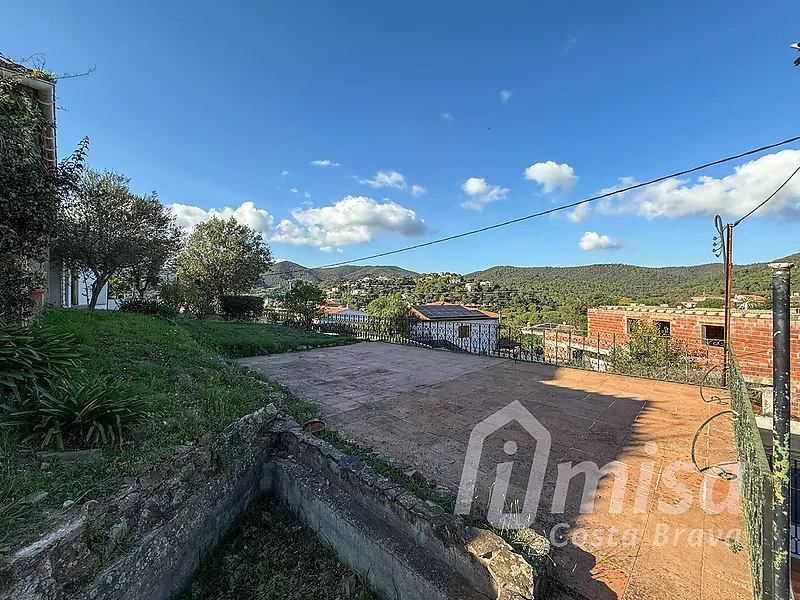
(148, 540)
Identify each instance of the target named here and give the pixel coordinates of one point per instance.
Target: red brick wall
(750, 336)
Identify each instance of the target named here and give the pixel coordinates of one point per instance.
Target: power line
(770, 197)
(558, 208)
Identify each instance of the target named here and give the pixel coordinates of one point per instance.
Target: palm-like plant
(30, 356)
(76, 411)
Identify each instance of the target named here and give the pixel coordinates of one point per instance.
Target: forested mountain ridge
(284, 271)
(673, 283)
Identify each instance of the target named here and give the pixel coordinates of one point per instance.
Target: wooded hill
(284, 271)
(672, 283)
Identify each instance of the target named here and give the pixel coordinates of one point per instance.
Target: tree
(391, 312)
(305, 300)
(31, 190)
(711, 303)
(105, 228)
(222, 257)
(147, 272)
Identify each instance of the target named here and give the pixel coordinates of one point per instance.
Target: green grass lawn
(236, 340)
(177, 367)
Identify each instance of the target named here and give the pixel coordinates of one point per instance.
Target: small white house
(337, 315)
(456, 327)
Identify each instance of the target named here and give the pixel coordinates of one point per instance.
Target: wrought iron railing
(756, 480)
(682, 360)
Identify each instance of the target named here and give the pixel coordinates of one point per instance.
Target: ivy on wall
(30, 191)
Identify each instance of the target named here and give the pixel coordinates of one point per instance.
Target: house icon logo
(496, 514)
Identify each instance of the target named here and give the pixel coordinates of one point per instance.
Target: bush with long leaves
(83, 410)
(32, 357)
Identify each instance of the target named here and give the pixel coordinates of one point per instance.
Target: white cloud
(447, 117)
(392, 179)
(284, 172)
(187, 216)
(386, 179)
(293, 190)
(352, 220)
(732, 195)
(306, 194)
(579, 213)
(481, 193)
(552, 176)
(505, 95)
(570, 44)
(324, 163)
(591, 240)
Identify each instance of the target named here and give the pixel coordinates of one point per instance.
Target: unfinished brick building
(700, 332)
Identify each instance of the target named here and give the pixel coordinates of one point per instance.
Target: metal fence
(683, 360)
(756, 481)
(794, 540)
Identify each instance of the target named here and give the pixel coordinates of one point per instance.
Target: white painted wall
(482, 339)
(85, 282)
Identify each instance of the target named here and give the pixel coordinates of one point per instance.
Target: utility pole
(781, 408)
(728, 290)
(723, 246)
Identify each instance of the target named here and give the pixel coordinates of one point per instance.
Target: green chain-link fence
(756, 480)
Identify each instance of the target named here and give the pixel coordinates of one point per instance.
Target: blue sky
(210, 103)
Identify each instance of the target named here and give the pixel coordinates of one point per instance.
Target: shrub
(30, 357)
(192, 299)
(173, 294)
(76, 411)
(248, 308)
(148, 307)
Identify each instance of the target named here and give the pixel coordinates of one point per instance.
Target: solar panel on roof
(448, 312)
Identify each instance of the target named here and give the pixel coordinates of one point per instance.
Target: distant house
(337, 314)
(455, 327)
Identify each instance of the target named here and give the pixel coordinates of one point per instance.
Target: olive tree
(222, 257)
(105, 228)
(391, 313)
(305, 300)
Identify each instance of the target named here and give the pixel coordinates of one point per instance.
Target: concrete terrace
(420, 405)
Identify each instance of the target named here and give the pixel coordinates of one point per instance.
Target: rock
(418, 477)
(78, 457)
(92, 508)
(206, 438)
(34, 498)
(117, 538)
(302, 347)
(67, 504)
(349, 585)
(430, 509)
(352, 463)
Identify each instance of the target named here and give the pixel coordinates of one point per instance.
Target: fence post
(598, 347)
(781, 407)
(556, 331)
(569, 348)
